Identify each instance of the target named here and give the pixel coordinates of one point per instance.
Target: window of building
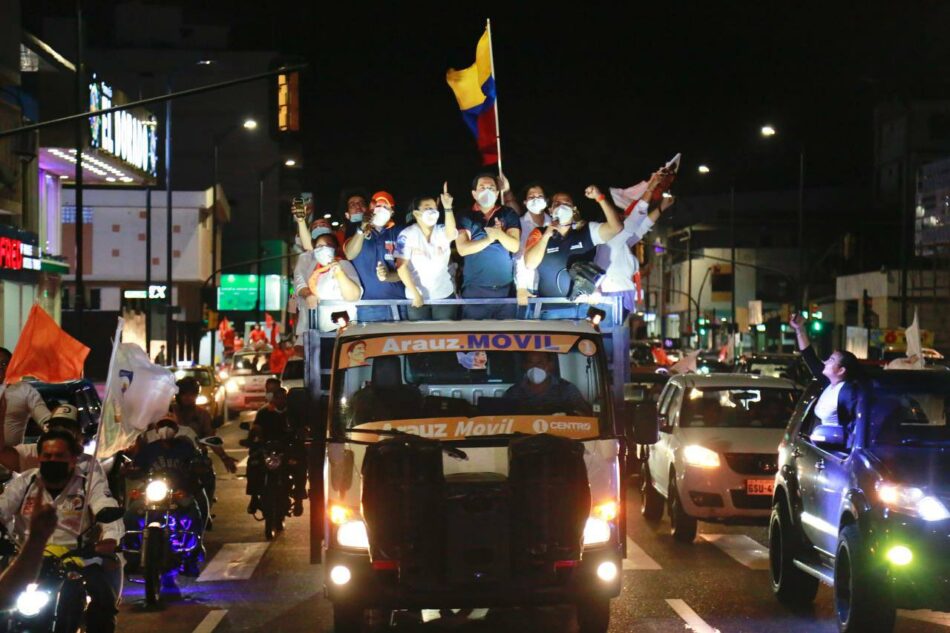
(95, 299)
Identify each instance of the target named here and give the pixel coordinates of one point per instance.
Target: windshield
(247, 364)
(768, 408)
(459, 385)
(293, 370)
(915, 415)
(772, 369)
(203, 376)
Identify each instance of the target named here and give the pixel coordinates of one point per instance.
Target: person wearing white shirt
(534, 217)
(18, 403)
(325, 277)
(616, 258)
(423, 250)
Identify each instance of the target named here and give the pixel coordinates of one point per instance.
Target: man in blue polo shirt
(564, 242)
(489, 236)
(372, 250)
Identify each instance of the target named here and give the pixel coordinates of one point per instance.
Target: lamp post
(262, 176)
(768, 131)
(250, 125)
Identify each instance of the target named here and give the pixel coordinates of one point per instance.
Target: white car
(246, 380)
(717, 450)
(292, 376)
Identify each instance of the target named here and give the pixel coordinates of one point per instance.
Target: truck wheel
(793, 587)
(682, 526)
(593, 615)
(347, 618)
(154, 555)
(651, 502)
(861, 597)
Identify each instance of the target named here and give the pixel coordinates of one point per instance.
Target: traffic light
(817, 326)
(288, 102)
(211, 318)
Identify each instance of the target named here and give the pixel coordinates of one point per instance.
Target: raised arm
(612, 226)
(451, 231)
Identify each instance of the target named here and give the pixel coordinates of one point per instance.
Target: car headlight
(913, 501)
(596, 531)
(353, 534)
(201, 400)
(700, 457)
(31, 601)
(272, 461)
(156, 491)
(232, 386)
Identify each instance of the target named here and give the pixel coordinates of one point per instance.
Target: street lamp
(703, 169)
(290, 162)
(767, 132)
(249, 124)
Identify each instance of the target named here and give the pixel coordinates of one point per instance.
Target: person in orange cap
(372, 251)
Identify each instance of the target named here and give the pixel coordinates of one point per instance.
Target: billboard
(239, 292)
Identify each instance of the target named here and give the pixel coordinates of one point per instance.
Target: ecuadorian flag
(474, 89)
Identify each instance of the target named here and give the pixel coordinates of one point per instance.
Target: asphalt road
(717, 583)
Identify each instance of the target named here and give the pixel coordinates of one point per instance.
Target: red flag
(46, 352)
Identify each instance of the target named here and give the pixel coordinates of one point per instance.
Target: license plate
(759, 486)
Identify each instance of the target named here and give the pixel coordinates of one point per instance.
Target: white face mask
(320, 230)
(564, 214)
(324, 254)
(165, 433)
(381, 216)
(487, 197)
(356, 217)
(268, 396)
(429, 217)
(537, 205)
(536, 375)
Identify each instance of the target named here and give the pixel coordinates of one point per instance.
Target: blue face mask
(355, 218)
(320, 230)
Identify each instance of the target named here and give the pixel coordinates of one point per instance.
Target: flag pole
(105, 396)
(491, 57)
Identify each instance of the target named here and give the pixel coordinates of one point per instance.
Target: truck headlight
(156, 491)
(913, 501)
(201, 400)
(596, 531)
(31, 601)
(232, 386)
(353, 534)
(700, 457)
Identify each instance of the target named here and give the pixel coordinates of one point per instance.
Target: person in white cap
(24, 456)
(18, 403)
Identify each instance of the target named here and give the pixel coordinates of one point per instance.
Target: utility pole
(80, 143)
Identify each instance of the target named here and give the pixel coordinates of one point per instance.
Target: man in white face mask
(535, 217)
(423, 250)
(542, 391)
(489, 236)
(372, 251)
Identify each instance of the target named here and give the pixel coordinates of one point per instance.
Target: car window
(737, 407)
(293, 370)
(664, 403)
(675, 402)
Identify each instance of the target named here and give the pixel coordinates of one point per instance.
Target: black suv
(867, 509)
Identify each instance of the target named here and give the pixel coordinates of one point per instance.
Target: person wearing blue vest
(372, 250)
(553, 250)
(489, 237)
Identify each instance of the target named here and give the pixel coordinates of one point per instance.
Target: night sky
(598, 92)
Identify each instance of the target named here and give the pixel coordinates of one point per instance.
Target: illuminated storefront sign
(122, 134)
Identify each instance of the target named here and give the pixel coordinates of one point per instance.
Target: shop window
(65, 299)
(95, 299)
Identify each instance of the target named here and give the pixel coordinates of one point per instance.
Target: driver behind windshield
(541, 390)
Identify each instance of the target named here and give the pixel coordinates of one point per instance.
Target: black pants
(488, 310)
(433, 313)
(103, 583)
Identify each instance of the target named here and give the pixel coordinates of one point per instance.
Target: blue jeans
(488, 310)
(368, 314)
(553, 311)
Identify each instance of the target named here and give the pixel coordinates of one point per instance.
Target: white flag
(914, 357)
(686, 364)
(138, 392)
(626, 198)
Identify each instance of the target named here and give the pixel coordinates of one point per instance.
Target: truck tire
(862, 600)
(791, 586)
(593, 614)
(682, 526)
(347, 618)
(153, 562)
(651, 502)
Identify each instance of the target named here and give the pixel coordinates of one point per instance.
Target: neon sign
(121, 134)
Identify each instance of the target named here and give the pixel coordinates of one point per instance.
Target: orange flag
(46, 352)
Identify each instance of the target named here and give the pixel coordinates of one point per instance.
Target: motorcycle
(57, 601)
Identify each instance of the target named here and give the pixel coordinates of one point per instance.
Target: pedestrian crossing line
(637, 559)
(235, 561)
(742, 548)
(693, 622)
(243, 462)
(934, 617)
(211, 621)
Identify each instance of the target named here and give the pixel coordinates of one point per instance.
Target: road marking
(742, 548)
(693, 621)
(923, 615)
(211, 621)
(243, 462)
(637, 559)
(235, 561)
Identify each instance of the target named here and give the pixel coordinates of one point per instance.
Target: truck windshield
(913, 416)
(457, 386)
(740, 408)
(247, 364)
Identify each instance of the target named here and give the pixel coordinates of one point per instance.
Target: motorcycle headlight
(201, 400)
(31, 601)
(912, 501)
(353, 534)
(156, 491)
(700, 456)
(272, 461)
